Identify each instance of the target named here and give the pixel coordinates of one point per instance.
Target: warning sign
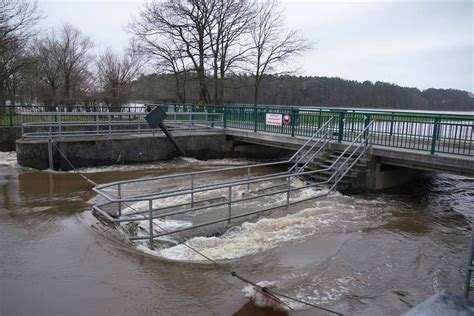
(286, 119)
(274, 119)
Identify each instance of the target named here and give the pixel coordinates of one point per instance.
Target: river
(363, 254)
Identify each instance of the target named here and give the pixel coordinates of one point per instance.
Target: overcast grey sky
(411, 43)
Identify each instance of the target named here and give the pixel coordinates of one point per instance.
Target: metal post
(50, 153)
(10, 112)
(288, 191)
(97, 123)
(192, 190)
(255, 118)
(21, 125)
(229, 208)
(110, 124)
(435, 135)
(292, 122)
(49, 126)
(59, 124)
(150, 207)
(224, 118)
(341, 127)
(119, 194)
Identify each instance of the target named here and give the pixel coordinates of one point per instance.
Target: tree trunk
(256, 92)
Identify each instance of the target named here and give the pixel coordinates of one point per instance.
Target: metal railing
(430, 132)
(185, 195)
(63, 124)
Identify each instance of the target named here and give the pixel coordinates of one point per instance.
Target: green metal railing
(435, 133)
(431, 132)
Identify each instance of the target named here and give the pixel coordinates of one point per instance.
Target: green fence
(443, 133)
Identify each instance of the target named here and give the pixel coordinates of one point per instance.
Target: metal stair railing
(364, 135)
(327, 128)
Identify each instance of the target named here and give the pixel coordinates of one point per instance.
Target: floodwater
(365, 254)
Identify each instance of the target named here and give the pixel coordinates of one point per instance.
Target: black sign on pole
(155, 119)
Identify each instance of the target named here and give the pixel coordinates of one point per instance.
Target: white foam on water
(8, 158)
(174, 163)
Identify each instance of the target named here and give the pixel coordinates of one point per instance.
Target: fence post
(435, 135)
(229, 208)
(10, 115)
(293, 122)
(341, 127)
(255, 119)
(366, 134)
(150, 207)
(225, 117)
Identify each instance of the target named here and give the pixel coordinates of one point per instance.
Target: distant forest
(311, 91)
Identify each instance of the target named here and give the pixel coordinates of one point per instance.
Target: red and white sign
(274, 119)
(286, 119)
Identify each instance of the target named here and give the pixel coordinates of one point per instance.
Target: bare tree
(232, 21)
(17, 20)
(46, 53)
(273, 45)
(72, 50)
(176, 32)
(115, 73)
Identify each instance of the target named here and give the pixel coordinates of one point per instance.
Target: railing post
(229, 208)
(293, 122)
(255, 119)
(435, 135)
(391, 124)
(50, 154)
(288, 191)
(341, 127)
(225, 117)
(150, 228)
(59, 124)
(10, 115)
(192, 190)
(119, 194)
(110, 124)
(366, 133)
(21, 125)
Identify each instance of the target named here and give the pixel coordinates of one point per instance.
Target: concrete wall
(8, 137)
(118, 150)
(102, 151)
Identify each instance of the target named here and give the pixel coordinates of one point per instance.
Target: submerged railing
(229, 192)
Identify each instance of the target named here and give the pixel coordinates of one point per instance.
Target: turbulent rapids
(363, 254)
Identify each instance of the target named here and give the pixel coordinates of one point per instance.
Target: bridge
(410, 140)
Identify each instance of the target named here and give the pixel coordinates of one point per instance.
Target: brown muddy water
(371, 254)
